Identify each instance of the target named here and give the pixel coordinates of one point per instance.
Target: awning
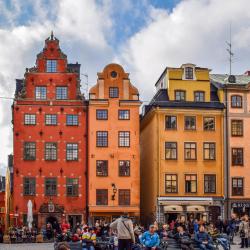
(196, 209)
(173, 209)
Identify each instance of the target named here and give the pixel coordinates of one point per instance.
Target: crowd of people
(123, 234)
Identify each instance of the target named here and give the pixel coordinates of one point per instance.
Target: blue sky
(144, 36)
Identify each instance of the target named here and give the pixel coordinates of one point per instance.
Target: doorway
(169, 217)
(54, 222)
(74, 219)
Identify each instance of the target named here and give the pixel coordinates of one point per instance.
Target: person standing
(150, 239)
(244, 231)
(125, 232)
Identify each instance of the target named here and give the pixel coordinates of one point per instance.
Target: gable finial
(52, 35)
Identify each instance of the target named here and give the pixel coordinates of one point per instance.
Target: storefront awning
(173, 209)
(196, 209)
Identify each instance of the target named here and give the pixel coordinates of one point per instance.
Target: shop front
(240, 207)
(186, 208)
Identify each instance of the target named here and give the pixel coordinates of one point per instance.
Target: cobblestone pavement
(31, 246)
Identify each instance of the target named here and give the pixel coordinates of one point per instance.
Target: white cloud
(195, 32)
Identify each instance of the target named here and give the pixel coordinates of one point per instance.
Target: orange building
(237, 100)
(49, 126)
(114, 158)
(2, 202)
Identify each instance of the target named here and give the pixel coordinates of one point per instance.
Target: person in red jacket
(65, 225)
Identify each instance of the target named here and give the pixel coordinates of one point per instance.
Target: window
(209, 183)
(51, 119)
(124, 139)
(124, 168)
(209, 151)
(190, 122)
(113, 92)
(41, 93)
(209, 123)
(72, 186)
(180, 95)
(199, 96)
(29, 186)
(29, 151)
(236, 127)
(189, 73)
(50, 186)
(61, 93)
(237, 186)
(123, 114)
(72, 120)
(51, 151)
(72, 152)
(102, 197)
(236, 101)
(102, 138)
(170, 122)
(51, 66)
(190, 183)
(102, 114)
(29, 119)
(101, 168)
(190, 150)
(237, 157)
(170, 150)
(171, 183)
(124, 197)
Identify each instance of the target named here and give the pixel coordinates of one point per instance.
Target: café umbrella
(30, 214)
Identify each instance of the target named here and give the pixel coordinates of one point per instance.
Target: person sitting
(203, 239)
(184, 239)
(150, 239)
(89, 239)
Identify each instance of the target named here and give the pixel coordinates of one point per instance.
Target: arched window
(236, 101)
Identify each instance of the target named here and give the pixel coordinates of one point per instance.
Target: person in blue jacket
(150, 239)
(203, 239)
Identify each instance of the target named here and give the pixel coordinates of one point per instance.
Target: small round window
(113, 74)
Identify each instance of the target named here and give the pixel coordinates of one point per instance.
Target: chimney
(247, 73)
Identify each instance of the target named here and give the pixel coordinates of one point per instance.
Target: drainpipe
(87, 161)
(227, 171)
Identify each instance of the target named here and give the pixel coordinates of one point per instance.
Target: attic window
(189, 73)
(51, 66)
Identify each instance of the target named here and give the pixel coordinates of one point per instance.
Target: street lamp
(114, 191)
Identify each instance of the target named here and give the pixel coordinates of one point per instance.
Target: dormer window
(189, 73)
(51, 66)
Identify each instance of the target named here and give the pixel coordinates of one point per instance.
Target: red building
(49, 126)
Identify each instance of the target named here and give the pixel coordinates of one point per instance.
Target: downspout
(87, 162)
(227, 172)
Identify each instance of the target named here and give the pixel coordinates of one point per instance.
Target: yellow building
(182, 148)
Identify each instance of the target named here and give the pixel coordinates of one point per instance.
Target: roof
(161, 100)
(223, 79)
